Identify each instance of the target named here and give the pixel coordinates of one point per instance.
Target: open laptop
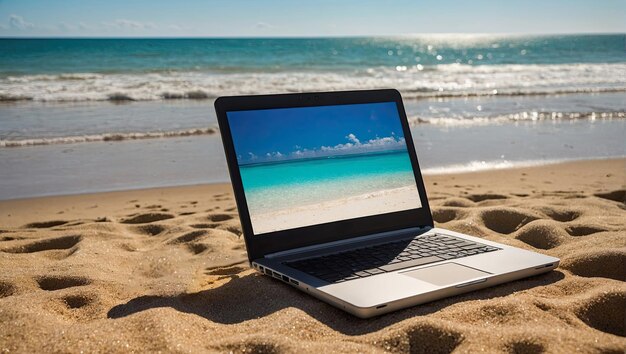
(331, 201)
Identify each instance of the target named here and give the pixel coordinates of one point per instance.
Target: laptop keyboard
(388, 257)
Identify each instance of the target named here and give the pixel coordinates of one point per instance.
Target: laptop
(332, 202)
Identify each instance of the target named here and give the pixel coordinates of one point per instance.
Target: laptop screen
(306, 166)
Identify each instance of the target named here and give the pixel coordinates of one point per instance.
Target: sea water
(140, 111)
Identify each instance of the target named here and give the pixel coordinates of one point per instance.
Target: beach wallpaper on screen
(312, 165)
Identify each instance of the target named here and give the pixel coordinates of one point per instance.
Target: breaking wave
(532, 116)
(445, 80)
(477, 166)
(106, 137)
(413, 121)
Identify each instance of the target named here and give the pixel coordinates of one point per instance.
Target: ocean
(85, 115)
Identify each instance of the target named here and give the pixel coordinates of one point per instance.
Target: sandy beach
(378, 202)
(165, 270)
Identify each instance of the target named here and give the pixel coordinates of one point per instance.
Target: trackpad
(445, 274)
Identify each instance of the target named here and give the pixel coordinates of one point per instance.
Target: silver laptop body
(419, 263)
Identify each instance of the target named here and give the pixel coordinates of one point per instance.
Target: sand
(165, 270)
(379, 202)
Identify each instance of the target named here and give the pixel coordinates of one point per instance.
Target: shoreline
(82, 203)
(426, 172)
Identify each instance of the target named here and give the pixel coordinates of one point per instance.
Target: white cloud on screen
(264, 25)
(17, 22)
(123, 23)
(353, 146)
(353, 138)
(356, 146)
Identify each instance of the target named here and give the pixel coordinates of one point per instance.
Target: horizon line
(287, 160)
(406, 35)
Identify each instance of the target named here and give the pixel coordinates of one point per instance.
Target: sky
(291, 133)
(282, 18)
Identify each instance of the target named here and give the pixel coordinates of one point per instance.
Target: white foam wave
(413, 121)
(477, 166)
(526, 116)
(106, 137)
(413, 81)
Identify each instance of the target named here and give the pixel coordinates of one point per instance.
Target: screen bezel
(260, 245)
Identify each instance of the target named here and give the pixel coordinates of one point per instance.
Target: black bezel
(263, 244)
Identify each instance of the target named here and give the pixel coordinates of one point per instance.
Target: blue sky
(140, 18)
(281, 134)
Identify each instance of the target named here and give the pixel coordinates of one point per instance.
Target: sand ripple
(179, 281)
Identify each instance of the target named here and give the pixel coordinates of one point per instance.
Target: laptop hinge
(319, 247)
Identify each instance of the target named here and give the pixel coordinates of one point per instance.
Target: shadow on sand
(255, 296)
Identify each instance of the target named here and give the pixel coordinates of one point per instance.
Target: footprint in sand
(51, 283)
(583, 230)
(205, 226)
(616, 196)
(7, 289)
(561, 214)
(10, 238)
(147, 218)
(188, 237)
(59, 243)
(191, 241)
(45, 224)
(426, 338)
(443, 215)
(149, 230)
(77, 301)
(487, 196)
(219, 217)
(605, 312)
(605, 264)
(506, 220)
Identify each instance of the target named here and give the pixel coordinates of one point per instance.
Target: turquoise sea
(294, 183)
(84, 115)
(72, 70)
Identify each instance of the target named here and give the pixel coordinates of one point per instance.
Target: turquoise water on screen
(275, 186)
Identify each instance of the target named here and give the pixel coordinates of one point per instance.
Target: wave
(106, 137)
(446, 80)
(477, 166)
(413, 121)
(530, 116)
